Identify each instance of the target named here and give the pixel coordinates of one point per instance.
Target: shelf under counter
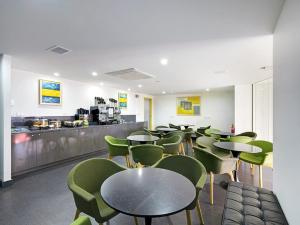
(40, 148)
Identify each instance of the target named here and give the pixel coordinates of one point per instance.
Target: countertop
(36, 131)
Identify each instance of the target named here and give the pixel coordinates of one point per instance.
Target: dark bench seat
(249, 205)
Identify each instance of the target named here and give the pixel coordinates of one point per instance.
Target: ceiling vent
(58, 50)
(129, 74)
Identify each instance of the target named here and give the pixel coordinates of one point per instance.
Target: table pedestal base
(148, 220)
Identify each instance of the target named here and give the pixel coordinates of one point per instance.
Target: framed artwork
(188, 106)
(123, 100)
(50, 92)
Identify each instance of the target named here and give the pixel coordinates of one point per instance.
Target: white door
(263, 110)
(147, 109)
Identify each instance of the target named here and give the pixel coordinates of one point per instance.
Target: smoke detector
(58, 50)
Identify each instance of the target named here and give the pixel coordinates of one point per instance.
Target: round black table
(166, 129)
(236, 149)
(186, 126)
(148, 192)
(223, 134)
(143, 139)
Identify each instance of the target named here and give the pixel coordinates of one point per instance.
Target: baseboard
(4, 184)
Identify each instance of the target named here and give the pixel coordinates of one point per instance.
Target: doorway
(148, 112)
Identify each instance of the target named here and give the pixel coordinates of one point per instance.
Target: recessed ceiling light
(164, 92)
(207, 89)
(94, 74)
(56, 74)
(140, 85)
(129, 89)
(164, 61)
(101, 83)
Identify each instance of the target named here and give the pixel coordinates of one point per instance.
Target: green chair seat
(240, 139)
(251, 158)
(210, 132)
(117, 146)
(104, 209)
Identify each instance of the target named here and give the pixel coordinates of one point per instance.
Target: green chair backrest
(152, 132)
(171, 144)
(139, 132)
(201, 130)
(206, 142)
(117, 146)
(85, 180)
(174, 133)
(188, 133)
(146, 154)
(251, 134)
(174, 126)
(266, 146)
(188, 167)
(211, 133)
(82, 220)
(240, 139)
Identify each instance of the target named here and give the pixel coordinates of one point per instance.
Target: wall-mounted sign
(123, 100)
(188, 106)
(50, 92)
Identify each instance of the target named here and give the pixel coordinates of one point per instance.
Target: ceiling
(208, 43)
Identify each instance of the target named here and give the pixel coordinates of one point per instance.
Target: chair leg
(211, 188)
(76, 214)
(136, 220)
(127, 161)
(182, 149)
(260, 176)
(252, 169)
(188, 217)
(109, 157)
(231, 176)
(198, 207)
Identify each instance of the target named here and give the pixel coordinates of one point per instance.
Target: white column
(5, 118)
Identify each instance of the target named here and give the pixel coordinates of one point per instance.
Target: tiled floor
(43, 198)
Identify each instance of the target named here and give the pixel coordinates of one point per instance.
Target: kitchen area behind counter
(34, 149)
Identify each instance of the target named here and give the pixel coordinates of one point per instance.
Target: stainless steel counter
(40, 148)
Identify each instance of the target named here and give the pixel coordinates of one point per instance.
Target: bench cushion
(249, 205)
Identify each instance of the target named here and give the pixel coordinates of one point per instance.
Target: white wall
(243, 108)
(286, 83)
(5, 131)
(75, 95)
(217, 109)
(263, 109)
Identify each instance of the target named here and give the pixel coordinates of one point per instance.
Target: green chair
(251, 134)
(117, 147)
(201, 130)
(153, 133)
(212, 132)
(82, 220)
(181, 134)
(171, 144)
(85, 180)
(207, 143)
(191, 169)
(174, 126)
(264, 158)
(198, 134)
(146, 155)
(240, 139)
(214, 165)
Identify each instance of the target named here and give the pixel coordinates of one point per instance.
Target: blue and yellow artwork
(50, 92)
(123, 100)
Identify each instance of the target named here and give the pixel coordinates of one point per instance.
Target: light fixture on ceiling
(164, 61)
(139, 86)
(56, 74)
(101, 83)
(94, 74)
(163, 92)
(207, 89)
(129, 89)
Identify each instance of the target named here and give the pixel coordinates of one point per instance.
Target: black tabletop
(142, 138)
(166, 129)
(148, 192)
(238, 147)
